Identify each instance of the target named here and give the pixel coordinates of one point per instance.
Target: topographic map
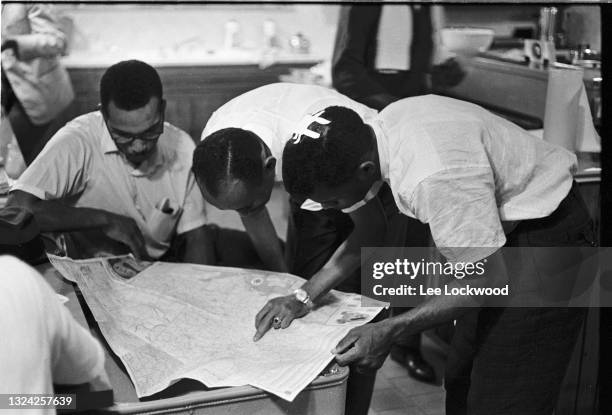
(169, 321)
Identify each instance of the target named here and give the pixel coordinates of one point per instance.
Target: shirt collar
(108, 145)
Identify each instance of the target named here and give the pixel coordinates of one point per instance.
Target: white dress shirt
(273, 111)
(82, 166)
(467, 172)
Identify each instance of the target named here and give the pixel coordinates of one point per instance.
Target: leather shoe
(413, 360)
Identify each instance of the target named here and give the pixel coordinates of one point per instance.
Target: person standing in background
(383, 53)
(36, 88)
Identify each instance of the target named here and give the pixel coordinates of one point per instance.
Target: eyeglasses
(150, 134)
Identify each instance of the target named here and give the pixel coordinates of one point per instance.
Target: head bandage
(302, 127)
(369, 196)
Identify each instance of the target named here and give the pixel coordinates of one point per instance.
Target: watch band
(303, 297)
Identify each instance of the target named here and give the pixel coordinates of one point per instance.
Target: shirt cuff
(33, 190)
(472, 254)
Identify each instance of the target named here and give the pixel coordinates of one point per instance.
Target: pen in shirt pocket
(165, 206)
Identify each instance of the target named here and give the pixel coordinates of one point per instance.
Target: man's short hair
(130, 85)
(332, 158)
(227, 154)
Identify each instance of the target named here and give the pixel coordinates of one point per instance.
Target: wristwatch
(303, 297)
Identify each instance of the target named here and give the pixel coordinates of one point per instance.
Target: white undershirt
(394, 38)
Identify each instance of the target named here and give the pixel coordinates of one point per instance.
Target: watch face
(301, 295)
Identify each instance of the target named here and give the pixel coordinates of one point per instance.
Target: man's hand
(366, 346)
(278, 313)
(447, 74)
(124, 229)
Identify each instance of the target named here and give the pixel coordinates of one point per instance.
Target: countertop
(589, 164)
(191, 57)
(511, 62)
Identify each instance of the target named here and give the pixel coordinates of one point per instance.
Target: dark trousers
(233, 248)
(313, 237)
(30, 137)
(511, 361)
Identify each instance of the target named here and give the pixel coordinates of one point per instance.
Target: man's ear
(269, 163)
(366, 170)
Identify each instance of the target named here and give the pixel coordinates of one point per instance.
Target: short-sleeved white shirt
(82, 166)
(467, 172)
(273, 112)
(41, 343)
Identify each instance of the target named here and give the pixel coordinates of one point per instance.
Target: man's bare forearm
(339, 267)
(263, 235)
(370, 229)
(433, 312)
(54, 216)
(443, 308)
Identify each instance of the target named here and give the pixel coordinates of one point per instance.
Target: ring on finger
(276, 322)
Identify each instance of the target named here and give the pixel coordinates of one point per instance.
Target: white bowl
(466, 40)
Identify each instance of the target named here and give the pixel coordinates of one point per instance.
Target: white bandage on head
(369, 196)
(302, 127)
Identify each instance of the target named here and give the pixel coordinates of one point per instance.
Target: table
(325, 395)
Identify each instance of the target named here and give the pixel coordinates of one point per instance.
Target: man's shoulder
(84, 125)
(431, 110)
(82, 133)
(426, 102)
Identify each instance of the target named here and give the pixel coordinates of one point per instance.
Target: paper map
(169, 321)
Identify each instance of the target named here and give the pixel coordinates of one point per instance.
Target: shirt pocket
(162, 221)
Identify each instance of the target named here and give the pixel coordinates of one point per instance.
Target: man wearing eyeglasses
(118, 180)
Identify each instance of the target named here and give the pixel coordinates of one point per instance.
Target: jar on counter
(270, 35)
(232, 35)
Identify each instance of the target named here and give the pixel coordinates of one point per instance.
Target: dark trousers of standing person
(407, 352)
(512, 361)
(233, 248)
(30, 137)
(312, 238)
